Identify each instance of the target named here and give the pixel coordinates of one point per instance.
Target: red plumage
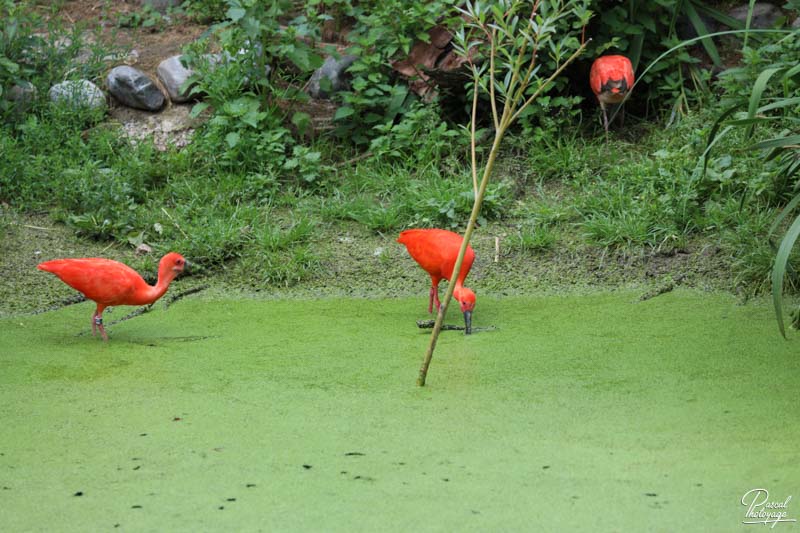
(436, 251)
(111, 283)
(611, 79)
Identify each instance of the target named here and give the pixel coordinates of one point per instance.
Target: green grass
(588, 413)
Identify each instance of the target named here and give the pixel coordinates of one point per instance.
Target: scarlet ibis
(611, 79)
(436, 251)
(111, 283)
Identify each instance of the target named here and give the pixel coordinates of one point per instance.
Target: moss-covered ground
(578, 413)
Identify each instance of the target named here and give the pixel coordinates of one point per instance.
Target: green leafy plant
(383, 31)
(773, 102)
(146, 18)
(38, 51)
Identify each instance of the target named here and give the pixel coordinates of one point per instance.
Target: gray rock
(765, 15)
(332, 70)
(22, 94)
(143, 249)
(134, 88)
(80, 93)
(173, 75)
(129, 58)
(796, 23)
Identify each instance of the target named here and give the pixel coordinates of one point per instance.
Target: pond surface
(588, 413)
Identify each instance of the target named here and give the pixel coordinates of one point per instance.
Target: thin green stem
(476, 209)
(472, 133)
(492, 53)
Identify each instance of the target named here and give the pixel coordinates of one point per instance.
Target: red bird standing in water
(611, 79)
(436, 251)
(110, 283)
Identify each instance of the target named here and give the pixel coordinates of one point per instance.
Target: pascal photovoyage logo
(760, 510)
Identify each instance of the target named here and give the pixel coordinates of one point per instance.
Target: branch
(549, 80)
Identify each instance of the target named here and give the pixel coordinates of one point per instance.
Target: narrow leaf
(783, 214)
(778, 142)
(702, 31)
(712, 135)
(783, 102)
(779, 271)
(758, 89)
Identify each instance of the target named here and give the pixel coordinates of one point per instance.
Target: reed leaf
(779, 271)
(758, 90)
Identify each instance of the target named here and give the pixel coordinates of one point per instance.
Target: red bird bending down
(110, 283)
(436, 251)
(611, 79)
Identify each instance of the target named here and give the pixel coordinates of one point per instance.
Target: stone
(22, 94)
(765, 16)
(333, 70)
(143, 249)
(134, 88)
(129, 58)
(78, 93)
(796, 23)
(173, 75)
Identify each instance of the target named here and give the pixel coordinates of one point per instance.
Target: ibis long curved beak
(467, 322)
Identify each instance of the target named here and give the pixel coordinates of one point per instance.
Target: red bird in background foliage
(110, 283)
(436, 251)
(611, 79)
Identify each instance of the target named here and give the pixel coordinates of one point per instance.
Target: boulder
(134, 88)
(173, 75)
(22, 94)
(765, 16)
(334, 71)
(78, 93)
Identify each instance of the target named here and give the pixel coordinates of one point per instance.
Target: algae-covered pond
(589, 413)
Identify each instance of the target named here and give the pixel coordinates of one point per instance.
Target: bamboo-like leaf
(779, 142)
(779, 271)
(719, 16)
(783, 214)
(635, 51)
(793, 167)
(712, 134)
(792, 72)
(758, 89)
(702, 31)
(783, 102)
(751, 121)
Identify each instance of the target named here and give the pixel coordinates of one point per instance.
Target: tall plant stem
(510, 114)
(476, 209)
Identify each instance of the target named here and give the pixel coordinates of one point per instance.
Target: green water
(589, 413)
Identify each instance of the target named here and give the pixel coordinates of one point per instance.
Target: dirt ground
(152, 46)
